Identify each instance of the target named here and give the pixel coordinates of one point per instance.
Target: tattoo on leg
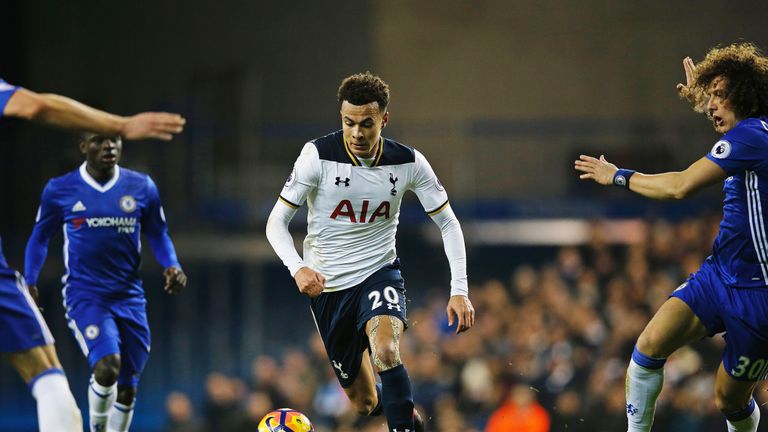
(396, 323)
(372, 335)
(378, 362)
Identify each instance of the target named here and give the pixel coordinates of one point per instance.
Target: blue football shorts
(341, 317)
(22, 327)
(104, 327)
(742, 313)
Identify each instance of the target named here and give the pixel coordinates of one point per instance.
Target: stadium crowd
(548, 353)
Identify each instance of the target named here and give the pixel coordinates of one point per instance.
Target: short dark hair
(364, 88)
(745, 69)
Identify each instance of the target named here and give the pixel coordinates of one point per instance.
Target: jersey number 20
(390, 295)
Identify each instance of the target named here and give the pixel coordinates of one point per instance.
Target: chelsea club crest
(128, 204)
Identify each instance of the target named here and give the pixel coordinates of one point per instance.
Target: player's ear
(83, 147)
(384, 119)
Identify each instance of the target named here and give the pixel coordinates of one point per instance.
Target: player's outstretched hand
(684, 89)
(160, 125)
(599, 170)
(34, 293)
(175, 280)
(460, 308)
(309, 282)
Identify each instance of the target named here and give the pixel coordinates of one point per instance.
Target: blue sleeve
(6, 91)
(737, 151)
(153, 225)
(49, 219)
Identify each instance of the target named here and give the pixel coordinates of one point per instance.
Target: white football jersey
(354, 208)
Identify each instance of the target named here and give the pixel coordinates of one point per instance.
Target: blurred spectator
(181, 416)
(520, 412)
(222, 408)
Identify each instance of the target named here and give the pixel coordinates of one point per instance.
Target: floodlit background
(501, 96)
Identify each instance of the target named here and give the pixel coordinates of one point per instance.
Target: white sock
(56, 407)
(100, 400)
(748, 424)
(643, 386)
(120, 417)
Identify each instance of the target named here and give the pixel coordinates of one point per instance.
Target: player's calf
(56, 407)
(121, 414)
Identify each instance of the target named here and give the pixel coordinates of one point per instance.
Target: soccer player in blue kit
(729, 293)
(103, 208)
(24, 337)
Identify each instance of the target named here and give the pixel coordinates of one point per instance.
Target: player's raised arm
(63, 112)
(666, 186)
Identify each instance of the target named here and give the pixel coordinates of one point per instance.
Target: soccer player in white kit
(353, 181)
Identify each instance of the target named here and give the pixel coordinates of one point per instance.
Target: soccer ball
(285, 420)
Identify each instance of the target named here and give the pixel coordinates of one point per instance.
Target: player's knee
(107, 370)
(387, 356)
(126, 395)
(363, 403)
(729, 403)
(649, 343)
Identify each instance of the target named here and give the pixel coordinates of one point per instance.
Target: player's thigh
(673, 326)
(135, 343)
(93, 325)
(24, 335)
(32, 362)
(336, 320)
(731, 394)
(745, 357)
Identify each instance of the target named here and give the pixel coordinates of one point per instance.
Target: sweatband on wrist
(622, 176)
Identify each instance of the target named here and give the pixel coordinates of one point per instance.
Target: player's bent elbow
(682, 191)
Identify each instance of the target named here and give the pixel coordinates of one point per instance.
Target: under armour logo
(393, 180)
(631, 409)
(337, 365)
(340, 181)
(391, 306)
(404, 430)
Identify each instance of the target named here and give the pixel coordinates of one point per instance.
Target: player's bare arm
(309, 282)
(66, 113)
(175, 280)
(665, 186)
(460, 309)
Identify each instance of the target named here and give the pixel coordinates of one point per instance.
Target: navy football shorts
(742, 313)
(341, 317)
(21, 325)
(103, 328)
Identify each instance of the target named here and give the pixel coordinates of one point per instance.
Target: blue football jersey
(102, 226)
(740, 252)
(6, 91)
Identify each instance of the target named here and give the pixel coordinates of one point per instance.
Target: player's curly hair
(745, 69)
(364, 88)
